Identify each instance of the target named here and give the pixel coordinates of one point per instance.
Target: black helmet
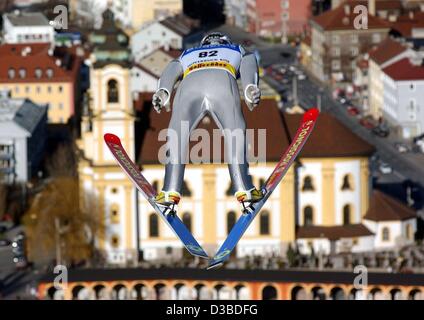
(215, 37)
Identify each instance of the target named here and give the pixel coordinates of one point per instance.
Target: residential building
(146, 73)
(410, 25)
(22, 138)
(172, 32)
(230, 284)
(332, 191)
(278, 18)
(44, 75)
(336, 43)
(380, 57)
(135, 13)
(111, 110)
(393, 223)
(403, 87)
(27, 27)
(235, 12)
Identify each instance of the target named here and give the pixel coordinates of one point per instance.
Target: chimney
(371, 7)
(347, 9)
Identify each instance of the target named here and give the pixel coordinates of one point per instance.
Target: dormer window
(49, 73)
(11, 73)
(38, 73)
(22, 73)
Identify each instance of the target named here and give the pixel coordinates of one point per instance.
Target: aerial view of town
(328, 96)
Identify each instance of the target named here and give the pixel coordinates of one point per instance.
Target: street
(408, 165)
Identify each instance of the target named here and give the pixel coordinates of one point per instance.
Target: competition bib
(225, 57)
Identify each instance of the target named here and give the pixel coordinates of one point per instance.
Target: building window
(115, 241)
(335, 65)
(60, 106)
(347, 185)
(49, 73)
(354, 51)
(376, 38)
(231, 220)
(60, 88)
(16, 89)
(185, 191)
(264, 223)
(49, 89)
(308, 216)
(409, 233)
(412, 87)
(168, 250)
(354, 38)
(38, 73)
(308, 184)
(230, 190)
(346, 214)
(11, 73)
(155, 185)
(114, 213)
(153, 225)
(27, 89)
(187, 220)
(335, 52)
(22, 73)
(112, 91)
(336, 39)
(385, 234)
(38, 89)
(114, 190)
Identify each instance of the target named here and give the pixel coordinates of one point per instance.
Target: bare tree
(56, 224)
(63, 162)
(3, 197)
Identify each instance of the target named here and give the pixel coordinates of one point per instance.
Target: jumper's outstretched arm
(249, 75)
(172, 73)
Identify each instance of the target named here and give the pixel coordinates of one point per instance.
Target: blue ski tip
(215, 265)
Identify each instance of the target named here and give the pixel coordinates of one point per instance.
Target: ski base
(167, 214)
(250, 212)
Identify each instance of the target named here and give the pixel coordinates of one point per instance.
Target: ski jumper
(208, 86)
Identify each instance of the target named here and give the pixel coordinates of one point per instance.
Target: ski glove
(252, 95)
(161, 99)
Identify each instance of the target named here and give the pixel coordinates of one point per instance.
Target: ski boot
(168, 198)
(251, 196)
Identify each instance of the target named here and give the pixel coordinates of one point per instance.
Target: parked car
(20, 262)
(368, 122)
(353, 111)
(402, 147)
(301, 76)
(381, 131)
(385, 168)
(5, 243)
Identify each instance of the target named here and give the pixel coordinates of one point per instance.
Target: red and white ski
(169, 216)
(249, 213)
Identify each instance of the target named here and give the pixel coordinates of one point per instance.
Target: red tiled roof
(333, 232)
(339, 19)
(405, 70)
(386, 50)
(385, 208)
(145, 70)
(329, 139)
(404, 24)
(173, 53)
(37, 58)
